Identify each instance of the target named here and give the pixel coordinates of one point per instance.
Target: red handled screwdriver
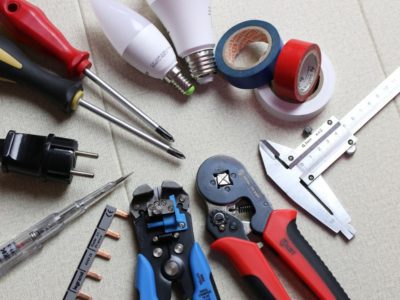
(29, 24)
(15, 67)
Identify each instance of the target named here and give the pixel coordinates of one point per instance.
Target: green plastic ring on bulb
(190, 90)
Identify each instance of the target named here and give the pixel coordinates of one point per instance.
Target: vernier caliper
(298, 171)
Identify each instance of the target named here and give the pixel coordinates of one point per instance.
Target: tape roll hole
(247, 48)
(308, 76)
(12, 7)
(316, 90)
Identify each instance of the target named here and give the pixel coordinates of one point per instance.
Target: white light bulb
(140, 43)
(189, 25)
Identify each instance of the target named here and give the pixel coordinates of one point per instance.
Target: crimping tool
(168, 254)
(232, 197)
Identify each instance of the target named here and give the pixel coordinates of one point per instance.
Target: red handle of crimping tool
(30, 25)
(252, 265)
(282, 234)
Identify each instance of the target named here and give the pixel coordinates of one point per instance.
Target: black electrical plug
(50, 158)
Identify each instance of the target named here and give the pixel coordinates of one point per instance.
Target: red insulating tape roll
(297, 70)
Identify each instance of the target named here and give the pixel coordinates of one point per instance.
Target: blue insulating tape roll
(234, 40)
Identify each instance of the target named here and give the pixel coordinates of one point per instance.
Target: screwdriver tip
(176, 153)
(165, 134)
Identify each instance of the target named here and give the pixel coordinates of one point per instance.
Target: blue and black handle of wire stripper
(203, 280)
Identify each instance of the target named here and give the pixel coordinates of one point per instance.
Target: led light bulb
(189, 25)
(140, 43)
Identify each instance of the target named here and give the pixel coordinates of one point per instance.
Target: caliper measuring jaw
(300, 178)
(298, 172)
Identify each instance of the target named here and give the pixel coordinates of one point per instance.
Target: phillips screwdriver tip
(165, 134)
(176, 153)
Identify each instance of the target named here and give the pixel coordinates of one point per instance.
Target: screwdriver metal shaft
(16, 67)
(30, 25)
(131, 129)
(129, 105)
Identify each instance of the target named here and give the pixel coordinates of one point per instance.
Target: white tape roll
(293, 112)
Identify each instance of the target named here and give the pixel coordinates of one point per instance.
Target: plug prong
(86, 154)
(82, 174)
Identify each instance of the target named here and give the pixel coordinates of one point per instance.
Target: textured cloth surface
(362, 40)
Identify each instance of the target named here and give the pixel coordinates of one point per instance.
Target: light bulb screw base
(202, 65)
(178, 80)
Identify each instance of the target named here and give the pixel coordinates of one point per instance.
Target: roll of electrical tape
(301, 111)
(235, 40)
(297, 70)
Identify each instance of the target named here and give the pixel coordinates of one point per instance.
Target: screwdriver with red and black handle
(16, 67)
(29, 24)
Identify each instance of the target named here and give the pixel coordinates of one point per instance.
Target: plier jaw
(299, 176)
(169, 255)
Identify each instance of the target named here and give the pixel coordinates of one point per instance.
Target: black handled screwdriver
(29, 24)
(16, 67)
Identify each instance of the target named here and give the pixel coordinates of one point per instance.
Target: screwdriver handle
(30, 25)
(16, 67)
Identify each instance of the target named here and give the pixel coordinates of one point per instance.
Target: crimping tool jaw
(230, 220)
(221, 223)
(172, 219)
(144, 192)
(162, 208)
(225, 185)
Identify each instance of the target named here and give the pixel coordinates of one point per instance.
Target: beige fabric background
(362, 40)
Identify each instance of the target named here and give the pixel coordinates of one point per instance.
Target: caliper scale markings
(298, 171)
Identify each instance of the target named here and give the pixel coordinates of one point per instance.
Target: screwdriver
(33, 239)
(15, 67)
(29, 24)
